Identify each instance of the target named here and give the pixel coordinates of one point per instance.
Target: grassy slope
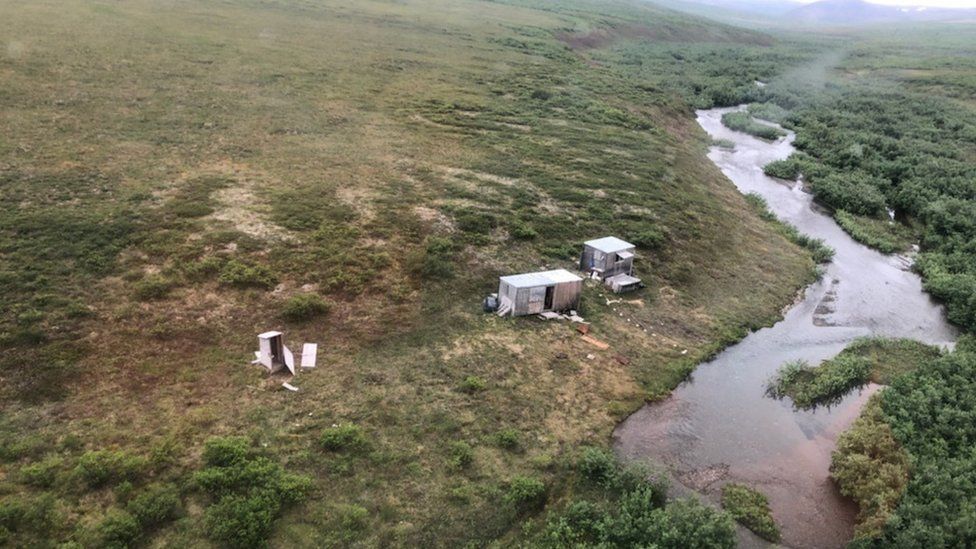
(341, 137)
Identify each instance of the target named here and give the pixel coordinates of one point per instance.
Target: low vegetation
(617, 506)
(872, 468)
(820, 252)
(866, 360)
(248, 492)
(750, 508)
(743, 121)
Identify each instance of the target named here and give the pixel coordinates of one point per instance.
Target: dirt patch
(480, 176)
(238, 207)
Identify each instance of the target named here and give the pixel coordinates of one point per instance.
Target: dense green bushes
(932, 413)
(871, 468)
(742, 121)
(346, 436)
(751, 509)
(851, 192)
(305, 306)
(769, 111)
(866, 149)
(100, 467)
(249, 491)
(867, 359)
(243, 275)
(826, 384)
(626, 509)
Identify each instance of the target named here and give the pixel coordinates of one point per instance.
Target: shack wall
(613, 267)
(567, 295)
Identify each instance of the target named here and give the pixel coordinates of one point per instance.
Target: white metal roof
(543, 278)
(609, 244)
(269, 335)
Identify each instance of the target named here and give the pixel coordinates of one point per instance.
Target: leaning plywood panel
(290, 360)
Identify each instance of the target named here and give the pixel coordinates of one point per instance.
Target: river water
(719, 426)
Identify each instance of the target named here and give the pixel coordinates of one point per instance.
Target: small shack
(534, 293)
(610, 260)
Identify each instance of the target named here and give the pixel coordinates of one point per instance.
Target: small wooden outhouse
(534, 293)
(273, 354)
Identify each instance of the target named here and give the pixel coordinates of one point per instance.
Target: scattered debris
(595, 342)
(275, 356)
(622, 360)
(583, 328)
(310, 352)
(590, 356)
(290, 387)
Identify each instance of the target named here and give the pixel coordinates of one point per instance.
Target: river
(719, 425)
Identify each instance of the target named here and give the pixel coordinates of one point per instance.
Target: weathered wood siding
(567, 295)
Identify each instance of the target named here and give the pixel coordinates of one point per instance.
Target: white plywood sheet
(310, 352)
(290, 360)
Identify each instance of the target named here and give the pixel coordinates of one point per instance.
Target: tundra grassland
(179, 176)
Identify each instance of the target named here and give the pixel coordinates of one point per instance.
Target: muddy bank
(720, 426)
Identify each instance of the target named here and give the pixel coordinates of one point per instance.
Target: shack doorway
(550, 291)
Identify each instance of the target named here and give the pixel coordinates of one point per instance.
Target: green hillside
(178, 177)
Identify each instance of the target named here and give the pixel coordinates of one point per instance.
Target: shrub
(472, 384)
(201, 269)
(750, 508)
(118, 529)
(852, 192)
(787, 168)
(598, 466)
(461, 455)
(343, 437)
(526, 494)
(542, 95)
(580, 525)
(769, 111)
(241, 275)
(508, 438)
(226, 451)
(27, 514)
(152, 287)
(100, 467)
(243, 520)
(522, 231)
(305, 306)
(810, 387)
(156, 505)
(689, 524)
(743, 122)
(650, 239)
(249, 491)
(871, 468)
(42, 474)
(435, 260)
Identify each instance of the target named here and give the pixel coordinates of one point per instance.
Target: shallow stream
(720, 426)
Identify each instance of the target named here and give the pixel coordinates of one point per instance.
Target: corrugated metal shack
(611, 260)
(534, 293)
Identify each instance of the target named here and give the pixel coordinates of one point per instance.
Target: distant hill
(859, 12)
